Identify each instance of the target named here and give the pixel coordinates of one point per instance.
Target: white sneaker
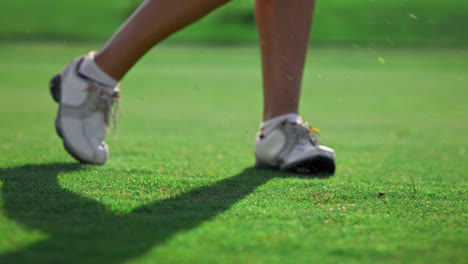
(83, 125)
(293, 146)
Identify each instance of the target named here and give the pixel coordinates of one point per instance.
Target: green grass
(368, 22)
(179, 187)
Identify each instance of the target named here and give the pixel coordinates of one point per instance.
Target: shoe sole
(319, 165)
(55, 91)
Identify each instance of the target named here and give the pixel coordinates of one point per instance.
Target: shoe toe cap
(84, 143)
(85, 151)
(100, 154)
(326, 151)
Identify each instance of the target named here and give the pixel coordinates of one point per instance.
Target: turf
(180, 187)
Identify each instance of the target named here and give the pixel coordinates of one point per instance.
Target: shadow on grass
(82, 230)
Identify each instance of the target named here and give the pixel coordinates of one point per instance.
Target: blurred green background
(341, 22)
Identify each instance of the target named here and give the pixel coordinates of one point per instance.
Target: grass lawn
(179, 187)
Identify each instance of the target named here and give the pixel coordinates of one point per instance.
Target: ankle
(292, 117)
(90, 69)
(268, 125)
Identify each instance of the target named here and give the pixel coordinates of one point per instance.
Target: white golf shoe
(85, 108)
(293, 146)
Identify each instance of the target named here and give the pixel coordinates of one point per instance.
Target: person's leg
(88, 87)
(153, 21)
(283, 28)
(285, 142)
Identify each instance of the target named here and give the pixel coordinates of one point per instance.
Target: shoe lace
(112, 107)
(305, 130)
(108, 103)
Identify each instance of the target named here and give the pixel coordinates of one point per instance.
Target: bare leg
(283, 28)
(154, 21)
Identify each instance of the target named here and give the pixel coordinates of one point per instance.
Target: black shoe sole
(321, 166)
